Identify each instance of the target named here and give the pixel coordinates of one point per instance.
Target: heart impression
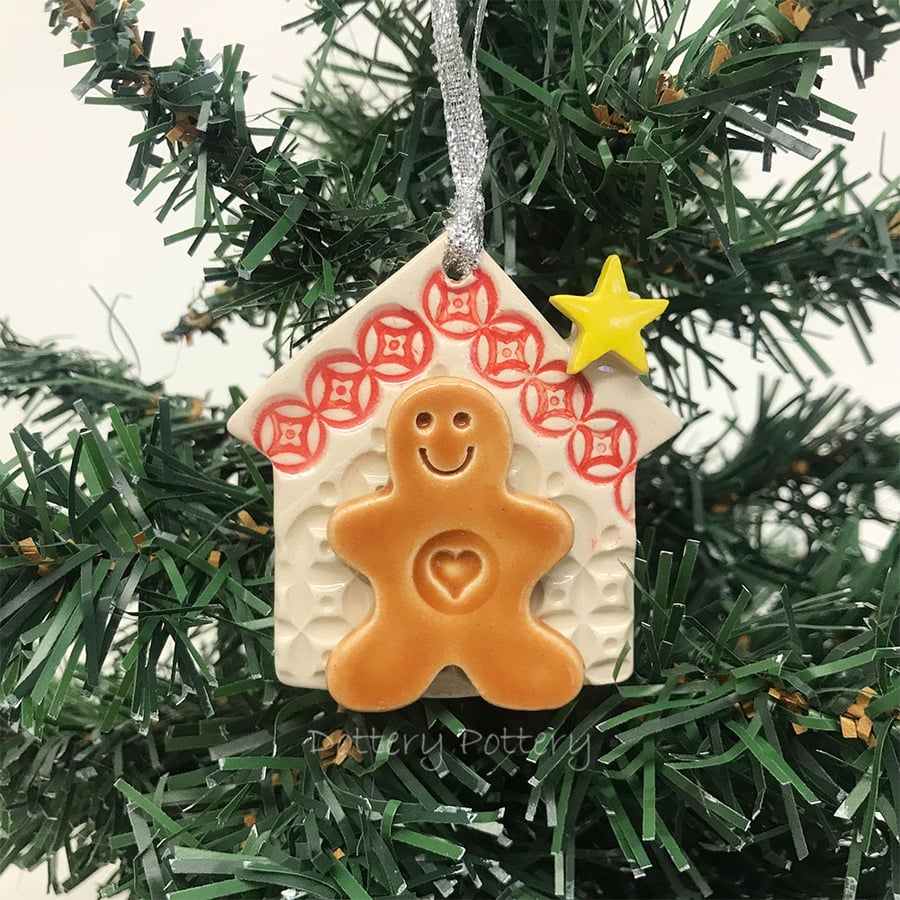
(454, 571)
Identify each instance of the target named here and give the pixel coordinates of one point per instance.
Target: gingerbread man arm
(358, 530)
(546, 530)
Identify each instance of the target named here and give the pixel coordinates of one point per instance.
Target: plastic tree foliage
(756, 750)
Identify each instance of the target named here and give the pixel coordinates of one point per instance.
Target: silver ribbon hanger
(466, 137)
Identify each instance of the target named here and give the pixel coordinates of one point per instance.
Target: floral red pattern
(624, 493)
(602, 446)
(342, 388)
(460, 310)
(290, 434)
(507, 350)
(395, 344)
(554, 402)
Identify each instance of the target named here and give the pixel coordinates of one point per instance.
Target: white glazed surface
(587, 596)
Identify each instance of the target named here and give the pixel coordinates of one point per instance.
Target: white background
(68, 220)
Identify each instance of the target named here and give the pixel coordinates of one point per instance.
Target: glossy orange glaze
(453, 555)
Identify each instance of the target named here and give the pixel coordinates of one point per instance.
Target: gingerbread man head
(448, 431)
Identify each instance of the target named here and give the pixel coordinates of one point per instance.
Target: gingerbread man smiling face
(457, 430)
(453, 555)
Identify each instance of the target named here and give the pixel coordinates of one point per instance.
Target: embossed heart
(454, 571)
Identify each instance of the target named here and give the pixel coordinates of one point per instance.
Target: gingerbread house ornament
(454, 506)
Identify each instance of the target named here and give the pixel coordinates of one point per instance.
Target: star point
(609, 320)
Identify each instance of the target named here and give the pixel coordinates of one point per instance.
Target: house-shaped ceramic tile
(321, 420)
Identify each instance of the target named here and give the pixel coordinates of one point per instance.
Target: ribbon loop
(466, 137)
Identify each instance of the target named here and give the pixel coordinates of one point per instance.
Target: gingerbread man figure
(453, 555)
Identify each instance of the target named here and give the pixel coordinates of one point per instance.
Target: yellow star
(609, 320)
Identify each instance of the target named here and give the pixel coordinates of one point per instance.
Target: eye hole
(462, 420)
(424, 420)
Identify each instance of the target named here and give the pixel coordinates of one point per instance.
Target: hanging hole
(457, 264)
(455, 270)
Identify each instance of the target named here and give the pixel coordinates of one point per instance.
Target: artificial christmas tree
(754, 751)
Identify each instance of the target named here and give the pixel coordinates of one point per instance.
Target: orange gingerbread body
(453, 555)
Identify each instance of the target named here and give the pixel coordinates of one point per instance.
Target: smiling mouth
(470, 452)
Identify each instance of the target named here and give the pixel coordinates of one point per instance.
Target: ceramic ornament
(454, 500)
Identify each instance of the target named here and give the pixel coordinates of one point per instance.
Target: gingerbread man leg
(531, 667)
(375, 669)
